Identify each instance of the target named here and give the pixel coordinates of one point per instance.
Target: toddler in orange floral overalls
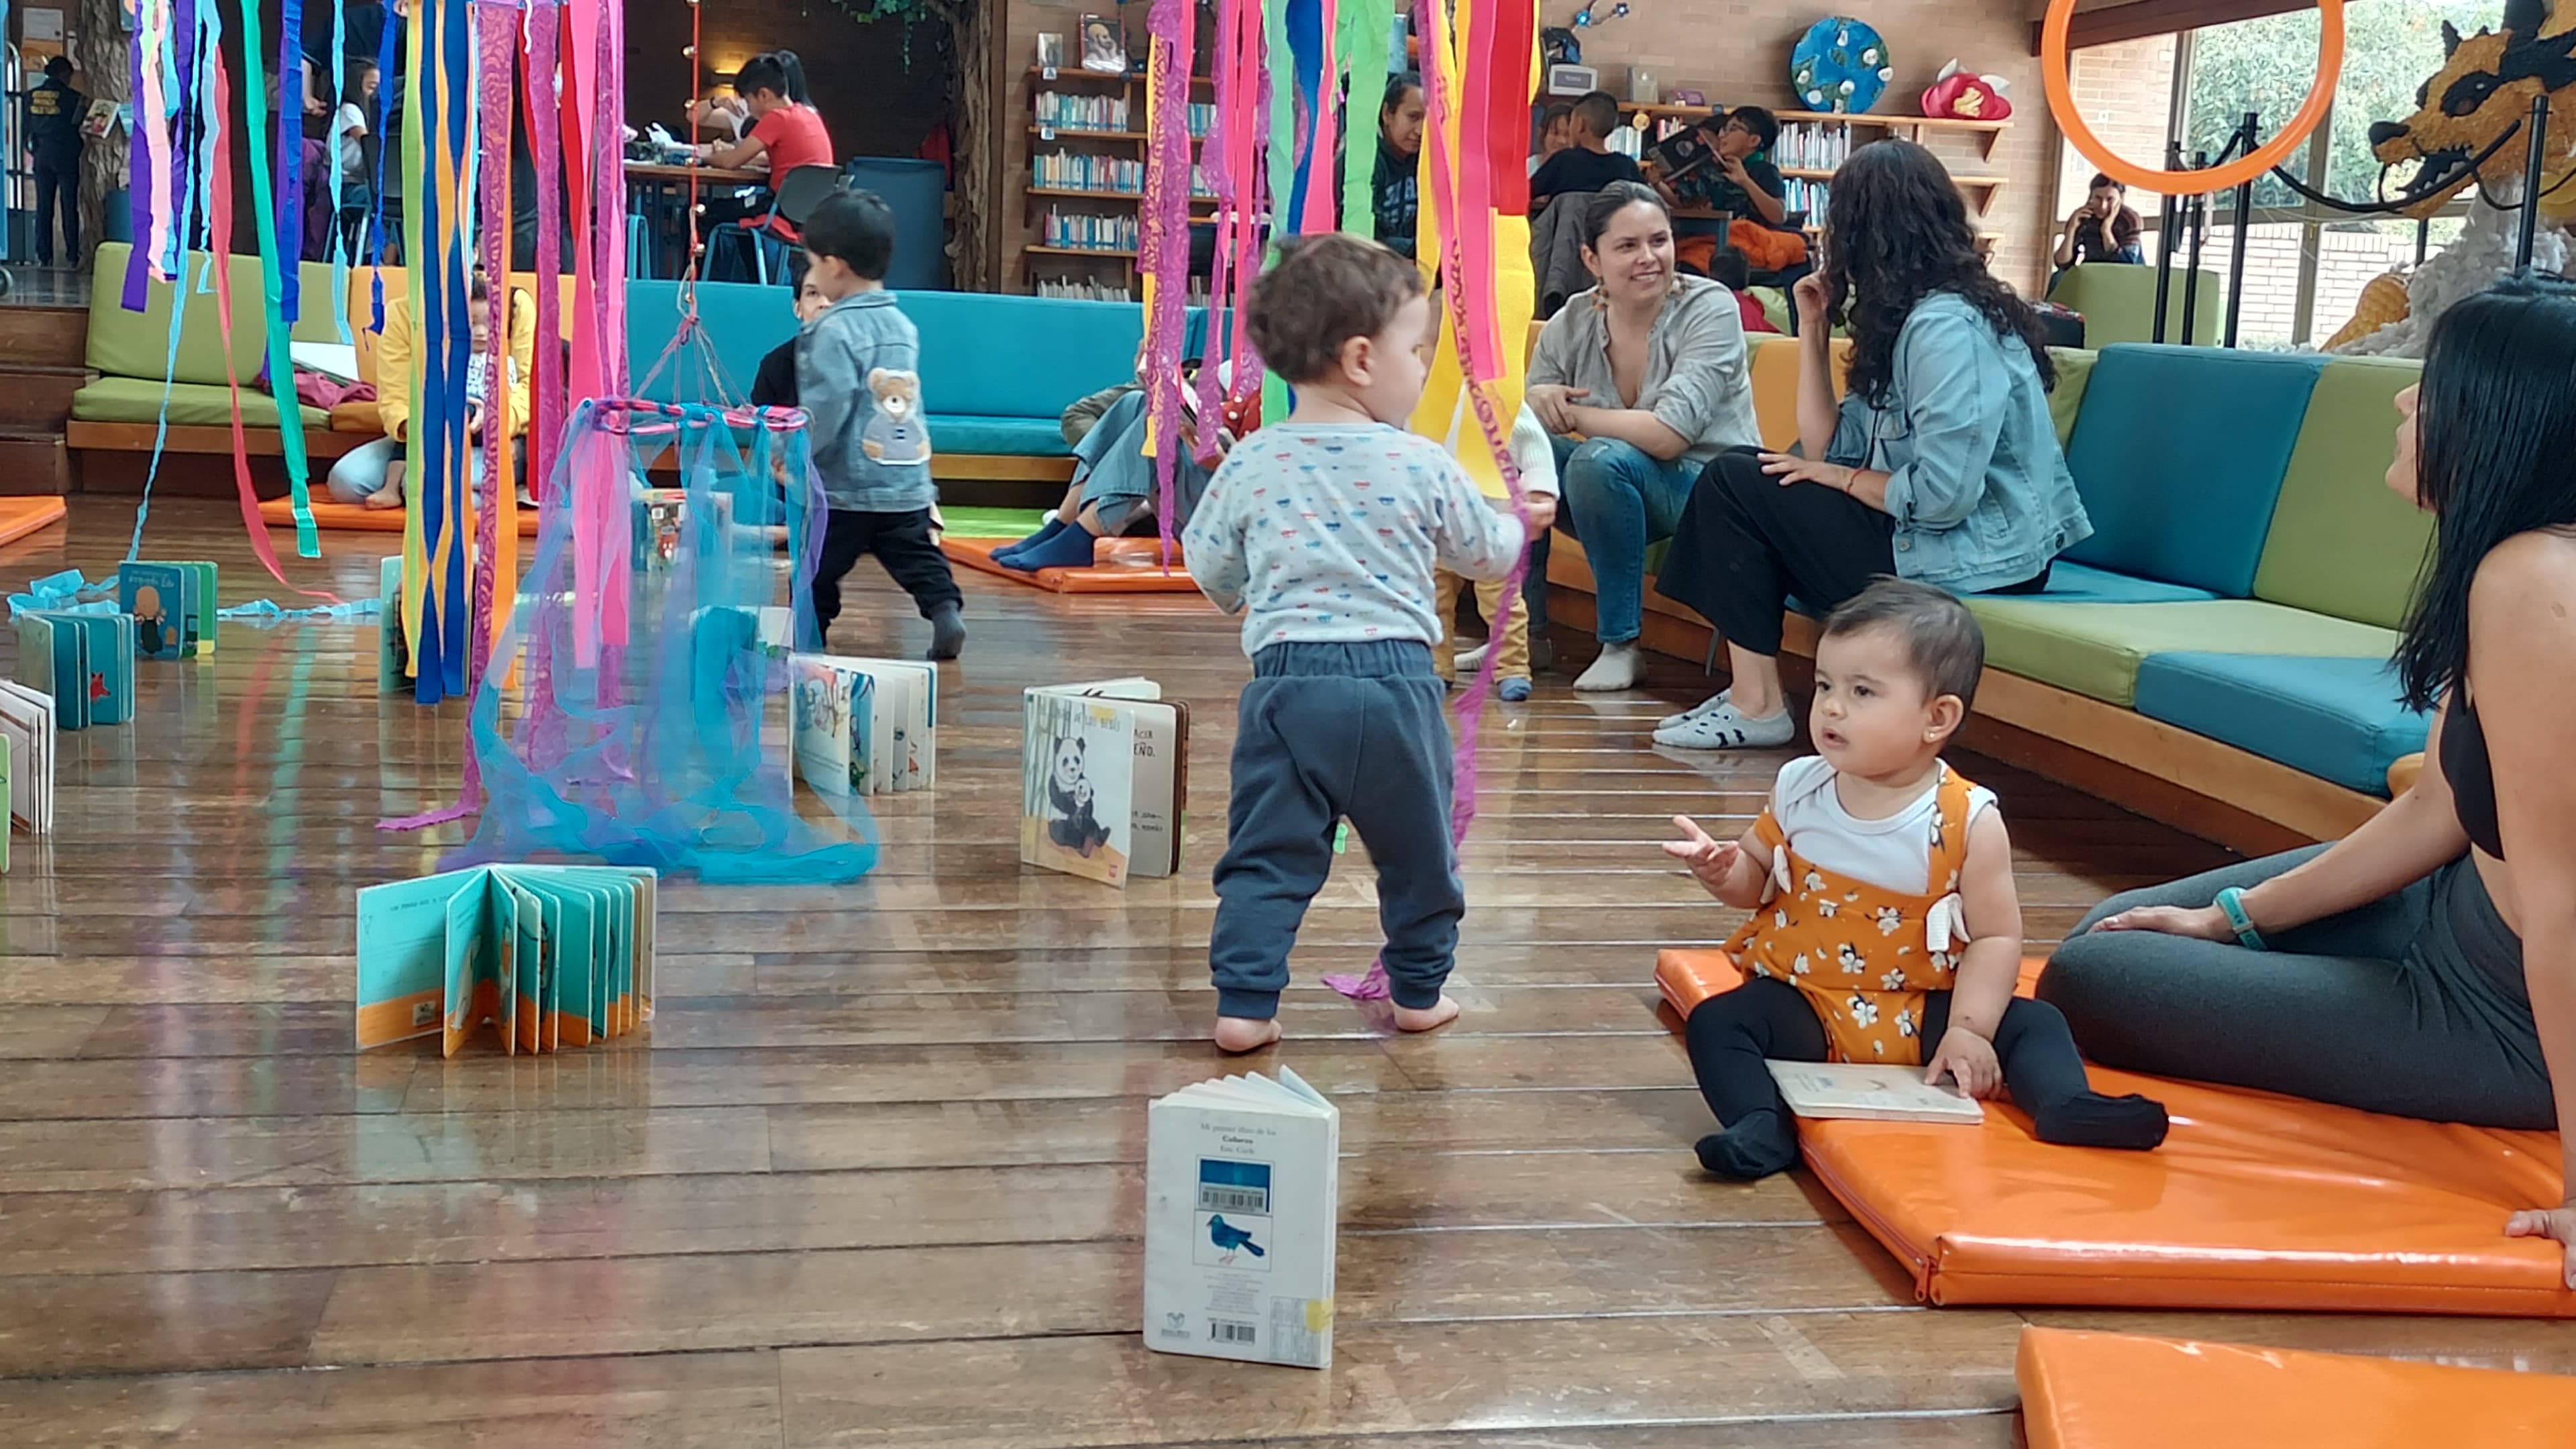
(1883, 911)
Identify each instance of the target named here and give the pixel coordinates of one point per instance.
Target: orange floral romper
(1863, 956)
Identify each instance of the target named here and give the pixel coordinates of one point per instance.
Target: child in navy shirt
(1325, 531)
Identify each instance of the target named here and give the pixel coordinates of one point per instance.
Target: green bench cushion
(2340, 542)
(137, 344)
(2119, 303)
(2074, 378)
(2095, 649)
(138, 400)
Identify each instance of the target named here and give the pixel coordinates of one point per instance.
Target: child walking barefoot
(1325, 531)
(1884, 914)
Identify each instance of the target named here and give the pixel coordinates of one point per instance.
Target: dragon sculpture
(2468, 129)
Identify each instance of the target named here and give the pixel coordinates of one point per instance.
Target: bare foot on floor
(1428, 1018)
(1247, 1034)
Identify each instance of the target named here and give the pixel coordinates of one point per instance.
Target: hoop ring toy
(2070, 120)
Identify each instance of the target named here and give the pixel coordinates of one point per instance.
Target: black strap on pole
(2165, 239)
(2246, 138)
(2196, 211)
(2423, 238)
(2531, 182)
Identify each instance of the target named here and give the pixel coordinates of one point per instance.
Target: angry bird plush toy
(1957, 95)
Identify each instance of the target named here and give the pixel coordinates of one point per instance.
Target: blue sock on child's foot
(1054, 526)
(1069, 549)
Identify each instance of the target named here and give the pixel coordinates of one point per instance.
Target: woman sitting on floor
(1639, 383)
(1940, 464)
(2424, 965)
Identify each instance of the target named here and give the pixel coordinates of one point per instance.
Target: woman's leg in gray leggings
(2373, 1008)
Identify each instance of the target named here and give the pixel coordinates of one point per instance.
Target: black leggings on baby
(1730, 1034)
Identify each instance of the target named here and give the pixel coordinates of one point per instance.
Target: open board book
(85, 661)
(173, 605)
(1870, 1092)
(1104, 779)
(27, 724)
(865, 726)
(1242, 1203)
(551, 955)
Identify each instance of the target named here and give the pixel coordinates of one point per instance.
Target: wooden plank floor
(874, 1176)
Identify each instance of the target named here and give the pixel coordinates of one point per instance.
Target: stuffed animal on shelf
(1958, 95)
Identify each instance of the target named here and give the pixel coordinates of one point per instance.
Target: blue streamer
(269, 611)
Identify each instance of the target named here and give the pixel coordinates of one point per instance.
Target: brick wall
(876, 99)
(2125, 93)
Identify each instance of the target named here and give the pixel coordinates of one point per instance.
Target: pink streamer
(1165, 244)
(546, 382)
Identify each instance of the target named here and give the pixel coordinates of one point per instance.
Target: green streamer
(281, 363)
(1363, 33)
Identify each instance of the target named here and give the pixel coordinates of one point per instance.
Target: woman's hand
(2209, 923)
(1809, 293)
(1967, 1059)
(1790, 468)
(1552, 402)
(2557, 1224)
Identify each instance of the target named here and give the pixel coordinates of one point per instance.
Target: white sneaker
(1695, 711)
(1621, 666)
(1471, 660)
(1723, 729)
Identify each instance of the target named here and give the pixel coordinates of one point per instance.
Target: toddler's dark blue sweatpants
(1326, 732)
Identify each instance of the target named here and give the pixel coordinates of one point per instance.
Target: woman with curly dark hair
(1940, 464)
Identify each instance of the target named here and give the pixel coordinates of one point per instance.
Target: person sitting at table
(785, 134)
(1731, 184)
(732, 115)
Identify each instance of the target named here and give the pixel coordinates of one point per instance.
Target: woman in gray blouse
(1640, 381)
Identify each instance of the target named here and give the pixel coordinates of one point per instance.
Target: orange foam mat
(2255, 1201)
(22, 516)
(2121, 1391)
(1120, 566)
(349, 517)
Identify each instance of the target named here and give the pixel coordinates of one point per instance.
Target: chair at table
(794, 200)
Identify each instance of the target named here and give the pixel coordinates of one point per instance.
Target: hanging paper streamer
(1164, 240)
(680, 768)
(269, 611)
(272, 254)
(438, 219)
(287, 221)
(1233, 156)
(1361, 39)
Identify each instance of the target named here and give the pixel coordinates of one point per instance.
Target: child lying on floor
(1884, 914)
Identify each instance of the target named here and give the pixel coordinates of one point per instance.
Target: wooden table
(659, 191)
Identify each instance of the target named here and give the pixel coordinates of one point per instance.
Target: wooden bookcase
(1967, 148)
(1109, 264)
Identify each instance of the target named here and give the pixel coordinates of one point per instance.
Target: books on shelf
(1870, 1092)
(1067, 112)
(1811, 197)
(1075, 231)
(551, 956)
(1071, 289)
(84, 660)
(865, 726)
(173, 605)
(1108, 175)
(1104, 779)
(1811, 145)
(27, 723)
(1242, 1204)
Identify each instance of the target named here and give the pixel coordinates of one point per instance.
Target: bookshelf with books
(1813, 143)
(1086, 176)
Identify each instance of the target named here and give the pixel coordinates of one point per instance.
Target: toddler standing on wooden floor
(1884, 913)
(1326, 531)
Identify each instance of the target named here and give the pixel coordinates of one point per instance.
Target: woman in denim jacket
(1940, 464)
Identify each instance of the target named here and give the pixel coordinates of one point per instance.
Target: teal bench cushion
(1009, 437)
(2179, 454)
(192, 404)
(2096, 649)
(2337, 719)
(739, 325)
(2075, 583)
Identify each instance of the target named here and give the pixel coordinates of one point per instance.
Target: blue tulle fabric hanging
(635, 710)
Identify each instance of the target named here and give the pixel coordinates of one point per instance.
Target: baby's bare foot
(1247, 1034)
(383, 498)
(1438, 1014)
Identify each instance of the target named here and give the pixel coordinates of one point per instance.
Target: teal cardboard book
(85, 661)
(173, 605)
(549, 956)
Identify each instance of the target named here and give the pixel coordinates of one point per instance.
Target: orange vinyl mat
(348, 517)
(1120, 566)
(2255, 1201)
(2119, 1391)
(22, 516)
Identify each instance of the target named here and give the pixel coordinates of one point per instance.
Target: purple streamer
(545, 146)
(135, 296)
(290, 157)
(1164, 244)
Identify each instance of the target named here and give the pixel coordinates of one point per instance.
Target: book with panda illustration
(1242, 1204)
(1104, 779)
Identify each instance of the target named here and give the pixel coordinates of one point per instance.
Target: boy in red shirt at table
(784, 134)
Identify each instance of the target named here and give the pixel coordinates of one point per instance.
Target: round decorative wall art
(1840, 64)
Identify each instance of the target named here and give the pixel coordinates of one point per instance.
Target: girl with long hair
(1940, 464)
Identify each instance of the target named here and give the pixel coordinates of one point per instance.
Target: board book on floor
(27, 723)
(1869, 1092)
(865, 726)
(1242, 1205)
(551, 956)
(173, 605)
(1104, 779)
(85, 661)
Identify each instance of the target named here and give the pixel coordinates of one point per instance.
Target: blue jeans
(1617, 501)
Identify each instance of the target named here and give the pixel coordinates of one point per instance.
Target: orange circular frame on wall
(2061, 104)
